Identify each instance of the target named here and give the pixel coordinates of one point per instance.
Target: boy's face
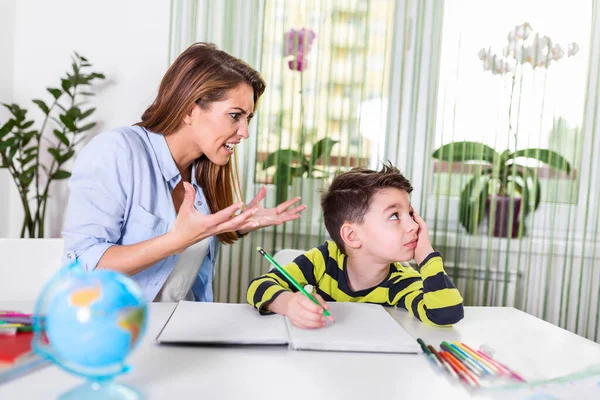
(389, 232)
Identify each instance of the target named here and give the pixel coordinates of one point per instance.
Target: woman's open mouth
(229, 147)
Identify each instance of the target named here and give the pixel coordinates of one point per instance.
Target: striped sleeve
(304, 269)
(429, 295)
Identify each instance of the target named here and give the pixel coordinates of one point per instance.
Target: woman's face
(224, 124)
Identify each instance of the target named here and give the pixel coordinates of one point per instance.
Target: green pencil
(289, 278)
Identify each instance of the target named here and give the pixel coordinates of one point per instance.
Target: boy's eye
(411, 213)
(235, 116)
(395, 216)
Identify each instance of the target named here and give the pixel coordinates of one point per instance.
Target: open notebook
(358, 327)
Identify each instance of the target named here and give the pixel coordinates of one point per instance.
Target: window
(339, 94)
(547, 102)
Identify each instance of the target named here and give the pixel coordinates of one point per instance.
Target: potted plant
(503, 184)
(67, 116)
(290, 164)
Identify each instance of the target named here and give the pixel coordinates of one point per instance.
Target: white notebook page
(222, 323)
(358, 327)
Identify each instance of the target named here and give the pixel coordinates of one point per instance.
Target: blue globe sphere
(89, 322)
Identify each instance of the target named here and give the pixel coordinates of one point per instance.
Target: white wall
(7, 52)
(127, 40)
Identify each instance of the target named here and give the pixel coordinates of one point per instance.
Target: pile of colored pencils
(12, 322)
(464, 363)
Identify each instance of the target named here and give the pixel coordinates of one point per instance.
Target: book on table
(358, 327)
(17, 357)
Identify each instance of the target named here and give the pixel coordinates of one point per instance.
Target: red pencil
(442, 361)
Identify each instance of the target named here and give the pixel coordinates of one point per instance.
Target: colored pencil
(495, 370)
(460, 370)
(473, 361)
(493, 362)
(292, 280)
(428, 353)
(14, 314)
(511, 372)
(442, 361)
(461, 359)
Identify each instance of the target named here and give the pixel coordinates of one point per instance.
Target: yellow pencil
(485, 362)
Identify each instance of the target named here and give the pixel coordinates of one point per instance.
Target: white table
(534, 348)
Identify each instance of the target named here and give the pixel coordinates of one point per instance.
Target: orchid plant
(297, 45)
(505, 173)
(291, 163)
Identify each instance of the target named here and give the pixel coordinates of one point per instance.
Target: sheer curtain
(395, 80)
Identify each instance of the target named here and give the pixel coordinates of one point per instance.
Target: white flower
(522, 48)
(524, 55)
(557, 52)
(501, 66)
(484, 54)
(572, 49)
(520, 32)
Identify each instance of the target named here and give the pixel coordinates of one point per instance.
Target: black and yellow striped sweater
(428, 294)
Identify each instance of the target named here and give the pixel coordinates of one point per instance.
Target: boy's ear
(350, 236)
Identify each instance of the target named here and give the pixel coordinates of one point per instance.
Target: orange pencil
(457, 368)
(458, 364)
(442, 361)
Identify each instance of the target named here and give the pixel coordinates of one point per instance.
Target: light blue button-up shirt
(121, 194)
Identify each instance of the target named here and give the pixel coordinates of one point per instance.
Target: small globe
(89, 322)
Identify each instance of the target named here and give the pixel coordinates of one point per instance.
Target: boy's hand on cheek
(303, 313)
(423, 248)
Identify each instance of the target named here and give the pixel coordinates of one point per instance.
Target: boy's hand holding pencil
(303, 309)
(300, 310)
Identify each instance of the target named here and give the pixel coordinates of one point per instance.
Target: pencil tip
(258, 248)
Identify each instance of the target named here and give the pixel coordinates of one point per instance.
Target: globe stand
(102, 390)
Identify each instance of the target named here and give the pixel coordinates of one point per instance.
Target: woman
(154, 200)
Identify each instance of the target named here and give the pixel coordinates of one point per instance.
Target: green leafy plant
(499, 174)
(67, 117)
(290, 164)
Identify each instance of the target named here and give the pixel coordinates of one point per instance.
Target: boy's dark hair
(348, 197)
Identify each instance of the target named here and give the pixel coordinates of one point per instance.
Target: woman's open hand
(271, 216)
(192, 226)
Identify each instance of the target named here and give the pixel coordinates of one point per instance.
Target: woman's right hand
(191, 226)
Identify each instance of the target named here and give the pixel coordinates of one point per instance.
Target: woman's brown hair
(201, 75)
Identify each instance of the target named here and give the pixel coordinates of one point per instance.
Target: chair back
(26, 265)
(286, 256)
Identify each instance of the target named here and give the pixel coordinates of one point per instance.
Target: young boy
(374, 228)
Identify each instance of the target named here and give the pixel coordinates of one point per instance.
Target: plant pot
(500, 219)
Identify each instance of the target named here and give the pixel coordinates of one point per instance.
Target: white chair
(25, 267)
(286, 256)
